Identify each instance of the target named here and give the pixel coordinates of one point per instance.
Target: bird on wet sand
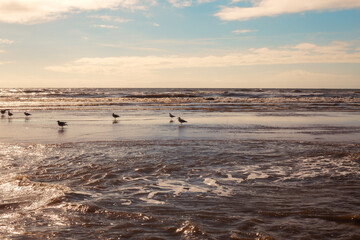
(27, 114)
(181, 120)
(170, 115)
(9, 113)
(61, 124)
(115, 116)
(3, 111)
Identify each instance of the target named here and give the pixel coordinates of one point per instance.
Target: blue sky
(174, 43)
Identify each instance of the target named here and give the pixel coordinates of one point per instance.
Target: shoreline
(87, 126)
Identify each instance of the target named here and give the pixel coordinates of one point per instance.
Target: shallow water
(191, 189)
(41, 126)
(291, 174)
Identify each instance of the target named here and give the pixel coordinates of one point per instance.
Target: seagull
(61, 124)
(27, 114)
(171, 115)
(181, 120)
(115, 115)
(9, 113)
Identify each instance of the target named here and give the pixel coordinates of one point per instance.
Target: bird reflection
(115, 121)
(181, 131)
(61, 131)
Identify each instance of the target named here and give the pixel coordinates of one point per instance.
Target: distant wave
(261, 100)
(166, 95)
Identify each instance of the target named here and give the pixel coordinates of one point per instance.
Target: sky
(180, 43)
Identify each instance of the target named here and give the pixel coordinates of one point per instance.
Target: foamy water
(292, 173)
(223, 100)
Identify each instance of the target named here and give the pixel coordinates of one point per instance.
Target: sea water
(248, 164)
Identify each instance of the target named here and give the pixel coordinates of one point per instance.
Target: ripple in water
(187, 189)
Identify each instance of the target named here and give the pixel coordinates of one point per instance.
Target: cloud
(243, 31)
(262, 8)
(180, 3)
(336, 52)
(6, 41)
(142, 49)
(37, 11)
(105, 26)
(111, 18)
(205, 1)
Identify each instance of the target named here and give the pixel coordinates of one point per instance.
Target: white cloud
(111, 18)
(36, 11)
(156, 24)
(243, 31)
(180, 3)
(336, 52)
(136, 48)
(105, 26)
(6, 41)
(276, 7)
(205, 1)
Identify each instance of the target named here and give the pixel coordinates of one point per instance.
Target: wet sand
(41, 126)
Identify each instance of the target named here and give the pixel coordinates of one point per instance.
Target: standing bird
(181, 120)
(61, 124)
(9, 113)
(171, 115)
(3, 111)
(27, 114)
(115, 115)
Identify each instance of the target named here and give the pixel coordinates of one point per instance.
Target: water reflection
(61, 131)
(181, 130)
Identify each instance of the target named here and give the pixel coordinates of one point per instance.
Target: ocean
(249, 164)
